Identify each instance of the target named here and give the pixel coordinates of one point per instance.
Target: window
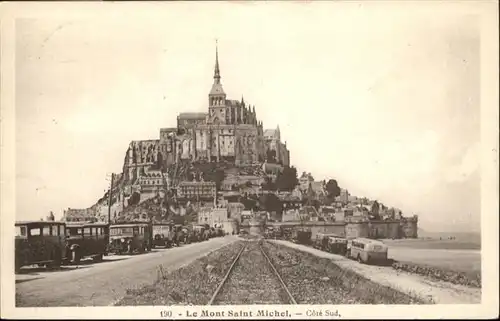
(120, 230)
(86, 231)
(94, 231)
(358, 245)
(20, 230)
(74, 231)
(35, 231)
(46, 230)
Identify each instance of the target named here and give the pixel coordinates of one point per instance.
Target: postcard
(249, 160)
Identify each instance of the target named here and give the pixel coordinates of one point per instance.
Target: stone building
(216, 217)
(272, 139)
(196, 190)
(229, 131)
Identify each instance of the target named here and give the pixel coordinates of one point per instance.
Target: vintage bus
(163, 234)
(321, 241)
(130, 237)
(337, 244)
(367, 250)
(86, 240)
(39, 242)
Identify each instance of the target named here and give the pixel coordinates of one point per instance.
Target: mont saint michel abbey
(230, 131)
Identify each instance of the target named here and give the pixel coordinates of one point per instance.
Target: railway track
(252, 279)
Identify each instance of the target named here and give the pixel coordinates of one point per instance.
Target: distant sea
(469, 237)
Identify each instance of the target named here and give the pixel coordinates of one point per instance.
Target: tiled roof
(232, 102)
(269, 132)
(192, 115)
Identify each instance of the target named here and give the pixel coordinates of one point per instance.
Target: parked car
(41, 243)
(367, 250)
(86, 240)
(130, 237)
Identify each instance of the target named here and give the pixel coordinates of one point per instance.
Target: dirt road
(438, 292)
(101, 284)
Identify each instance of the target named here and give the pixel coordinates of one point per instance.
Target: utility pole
(110, 197)
(165, 191)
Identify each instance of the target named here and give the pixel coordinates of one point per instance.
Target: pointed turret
(216, 69)
(242, 101)
(217, 86)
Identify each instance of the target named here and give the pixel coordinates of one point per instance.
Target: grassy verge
(315, 280)
(468, 279)
(193, 284)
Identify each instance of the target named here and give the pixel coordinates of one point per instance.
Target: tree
(287, 180)
(333, 189)
(249, 203)
(134, 199)
(268, 185)
(270, 203)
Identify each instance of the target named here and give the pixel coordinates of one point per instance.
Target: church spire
(217, 89)
(216, 70)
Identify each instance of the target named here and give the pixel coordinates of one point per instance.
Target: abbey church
(230, 131)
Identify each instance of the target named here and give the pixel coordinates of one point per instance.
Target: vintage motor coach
(286, 233)
(321, 241)
(130, 237)
(367, 250)
(86, 240)
(39, 242)
(302, 236)
(337, 244)
(163, 235)
(199, 231)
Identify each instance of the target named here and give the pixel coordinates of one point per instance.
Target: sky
(385, 102)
